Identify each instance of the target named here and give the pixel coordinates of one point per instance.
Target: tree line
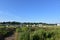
(29, 23)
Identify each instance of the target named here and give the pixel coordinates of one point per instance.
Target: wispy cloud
(6, 16)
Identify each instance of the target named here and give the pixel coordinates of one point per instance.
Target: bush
(24, 36)
(42, 35)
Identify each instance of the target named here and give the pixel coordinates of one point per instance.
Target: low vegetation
(36, 33)
(30, 33)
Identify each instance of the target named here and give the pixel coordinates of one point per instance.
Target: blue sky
(30, 10)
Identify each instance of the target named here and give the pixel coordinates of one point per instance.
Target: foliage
(39, 33)
(35, 33)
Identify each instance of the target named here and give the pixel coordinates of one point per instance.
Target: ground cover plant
(32, 33)
(39, 33)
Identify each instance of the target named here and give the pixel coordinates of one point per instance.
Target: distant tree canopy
(25, 23)
(10, 23)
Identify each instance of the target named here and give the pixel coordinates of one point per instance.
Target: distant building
(40, 25)
(58, 24)
(27, 25)
(33, 25)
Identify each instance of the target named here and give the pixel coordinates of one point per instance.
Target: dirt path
(12, 37)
